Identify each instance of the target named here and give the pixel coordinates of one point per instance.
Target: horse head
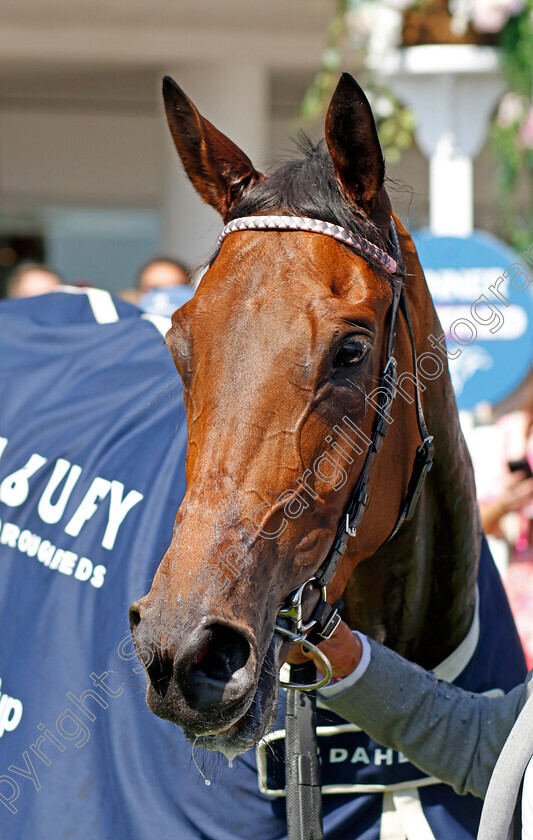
(280, 351)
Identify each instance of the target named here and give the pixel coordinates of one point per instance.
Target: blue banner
(483, 295)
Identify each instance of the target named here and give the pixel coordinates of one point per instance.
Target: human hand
(343, 650)
(518, 494)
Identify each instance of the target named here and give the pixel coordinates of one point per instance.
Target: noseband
(325, 618)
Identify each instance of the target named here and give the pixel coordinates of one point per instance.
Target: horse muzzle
(202, 672)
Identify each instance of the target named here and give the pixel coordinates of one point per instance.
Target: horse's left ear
(353, 144)
(220, 172)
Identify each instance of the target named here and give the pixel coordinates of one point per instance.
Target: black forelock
(306, 186)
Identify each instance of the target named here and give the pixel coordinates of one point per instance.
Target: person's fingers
(296, 656)
(343, 650)
(520, 495)
(515, 478)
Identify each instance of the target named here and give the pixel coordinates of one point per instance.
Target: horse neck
(417, 593)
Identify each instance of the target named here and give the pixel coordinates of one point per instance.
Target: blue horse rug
(92, 450)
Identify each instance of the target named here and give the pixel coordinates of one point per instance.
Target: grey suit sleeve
(447, 732)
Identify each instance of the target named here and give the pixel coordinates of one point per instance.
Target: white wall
(98, 159)
(75, 141)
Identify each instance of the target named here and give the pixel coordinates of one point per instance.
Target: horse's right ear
(217, 168)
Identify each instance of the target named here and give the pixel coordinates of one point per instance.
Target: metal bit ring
(327, 666)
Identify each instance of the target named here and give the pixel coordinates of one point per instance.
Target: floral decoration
(363, 32)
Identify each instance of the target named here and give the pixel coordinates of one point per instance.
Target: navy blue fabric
(106, 398)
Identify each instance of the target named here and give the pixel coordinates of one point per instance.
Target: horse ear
(217, 168)
(353, 144)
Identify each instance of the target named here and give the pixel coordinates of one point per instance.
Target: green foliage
(394, 122)
(395, 131)
(516, 41)
(321, 88)
(512, 146)
(514, 156)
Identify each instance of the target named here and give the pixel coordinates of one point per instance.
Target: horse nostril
(226, 652)
(160, 672)
(135, 617)
(213, 668)
(202, 654)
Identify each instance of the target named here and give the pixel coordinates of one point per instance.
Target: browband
(362, 246)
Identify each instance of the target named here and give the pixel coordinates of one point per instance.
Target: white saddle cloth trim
(403, 817)
(326, 731)
(160, 322)
(456, 662)
(104, 310)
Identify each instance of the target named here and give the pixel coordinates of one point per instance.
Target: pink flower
(492, 15)
(513, 109)
(526, 130)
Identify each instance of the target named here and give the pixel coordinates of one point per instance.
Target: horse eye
(351, 353)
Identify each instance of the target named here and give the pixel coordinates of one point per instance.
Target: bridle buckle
(293, 611)
(390, 366)
(331, 625)
(297, 630)
(349, 530)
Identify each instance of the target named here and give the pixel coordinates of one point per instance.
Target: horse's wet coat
(285, 337)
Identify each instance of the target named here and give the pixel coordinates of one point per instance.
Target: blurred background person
(516, 497)
(163, 285)
(32, 279)
(162, 272)
(501, 446)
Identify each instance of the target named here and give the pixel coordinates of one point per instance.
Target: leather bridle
(325, 618)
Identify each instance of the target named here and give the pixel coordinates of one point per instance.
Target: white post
(451, 201)
(234, 97)
(452, 90)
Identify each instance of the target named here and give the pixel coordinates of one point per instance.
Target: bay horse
(284, 342)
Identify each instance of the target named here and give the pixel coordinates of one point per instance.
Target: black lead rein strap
(303, 778)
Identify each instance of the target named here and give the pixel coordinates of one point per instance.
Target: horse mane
(306, 186)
